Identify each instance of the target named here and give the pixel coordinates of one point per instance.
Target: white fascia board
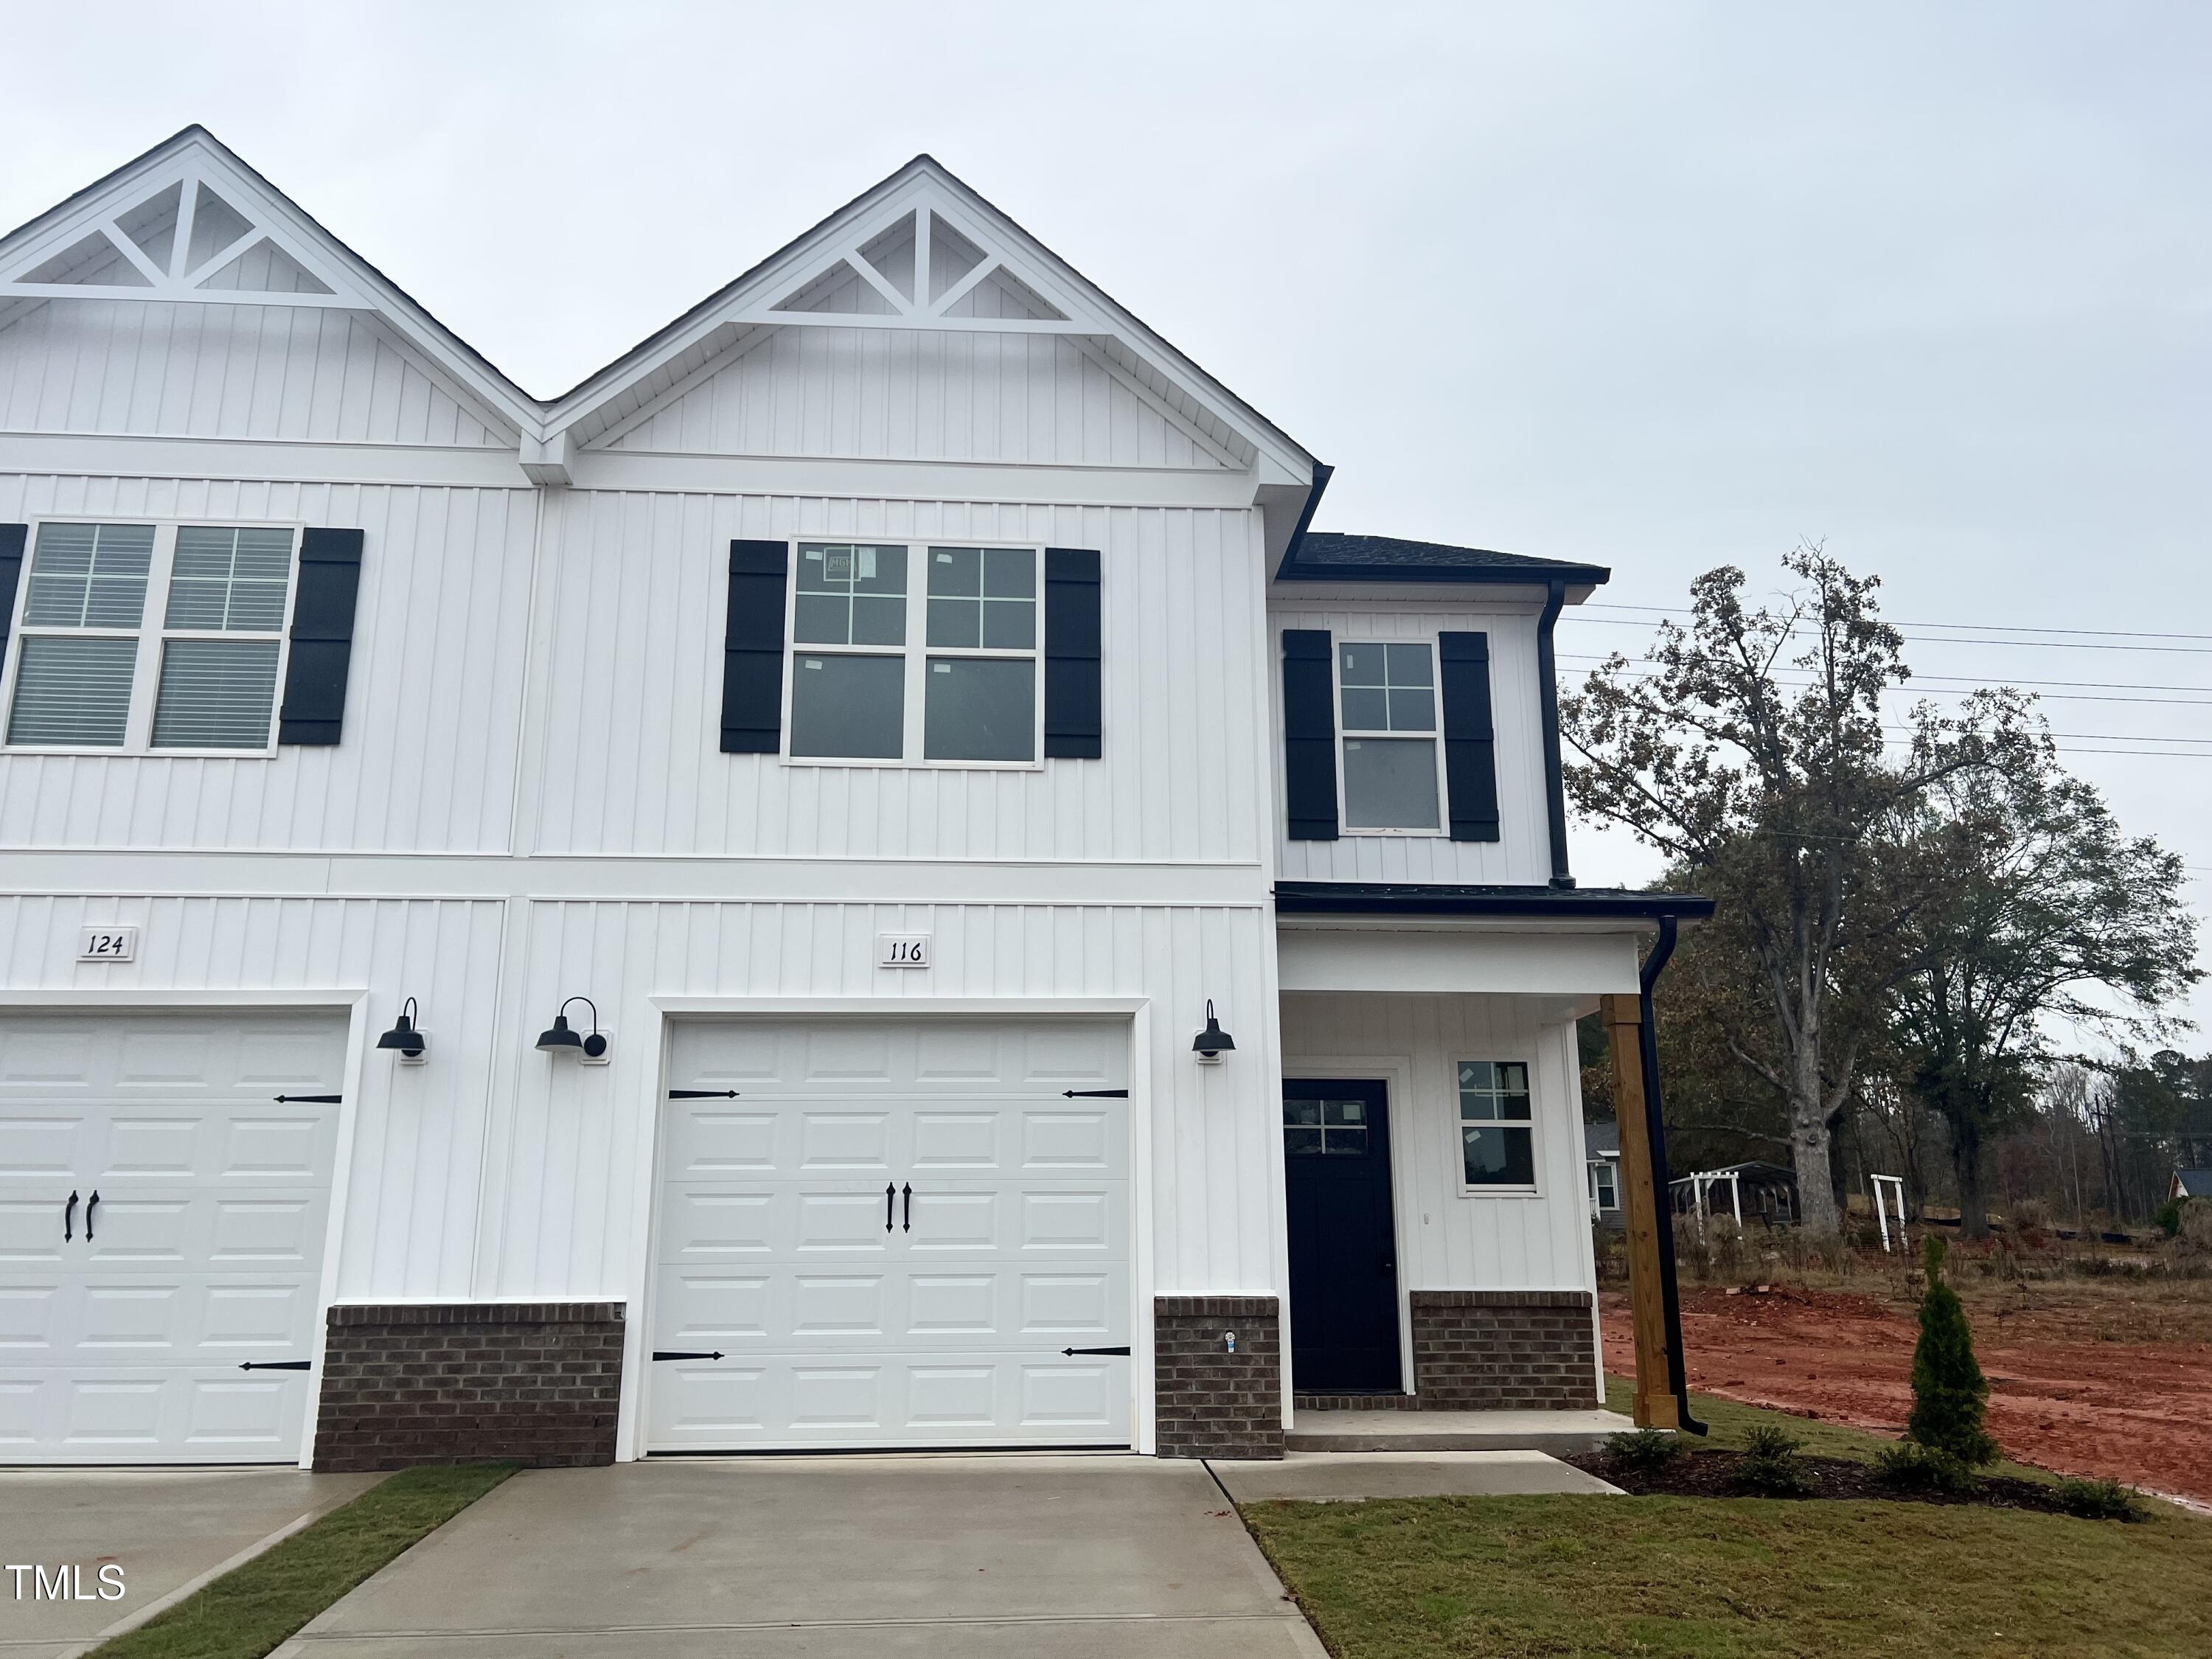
(1554, 964)
(155, 455)
(923, 183)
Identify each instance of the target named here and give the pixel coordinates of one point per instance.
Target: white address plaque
(107, 944)
(903, 949)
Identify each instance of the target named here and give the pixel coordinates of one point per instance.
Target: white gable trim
(192, 158)
(1104, 331)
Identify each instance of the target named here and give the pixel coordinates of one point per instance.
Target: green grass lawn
(244, 1614)
(1421, 1578)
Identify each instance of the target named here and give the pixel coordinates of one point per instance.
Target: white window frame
(1603, 1166)
(1344, 734)
(151, 635)
(916, 651)
(1535, 1187)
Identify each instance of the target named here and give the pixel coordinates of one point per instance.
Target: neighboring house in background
(2189, 1183)
(1602, 1138)
(859, 879)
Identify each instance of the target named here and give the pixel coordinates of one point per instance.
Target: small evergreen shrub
(1773, 1463)
(1912, 1467)
(2101, 1500)
(1644, 1449)
(1949, 1393)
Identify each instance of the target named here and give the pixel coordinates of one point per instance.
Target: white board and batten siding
(631, 759)
(1521, 855)
(434, 696)
(1451, 1238)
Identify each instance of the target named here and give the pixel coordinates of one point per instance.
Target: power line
(1924, 639)
(1914, 688)
(1986, 628)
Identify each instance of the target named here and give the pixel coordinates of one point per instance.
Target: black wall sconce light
(1212, 1042)
(590, 1050)
(410, 1043)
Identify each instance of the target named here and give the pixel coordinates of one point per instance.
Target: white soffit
(1490, 963)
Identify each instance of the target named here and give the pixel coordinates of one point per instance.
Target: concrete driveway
(168, 1530)
(904, 1558)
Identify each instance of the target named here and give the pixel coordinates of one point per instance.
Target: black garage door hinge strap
(1094, 1094)
(685, 1353)
(702, 1094)
(1124, 1352)
(309, 1100)
(277, 1366)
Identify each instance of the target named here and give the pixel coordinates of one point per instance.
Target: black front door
(1343, 1269)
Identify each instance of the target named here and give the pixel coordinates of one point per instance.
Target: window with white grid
(157, 638)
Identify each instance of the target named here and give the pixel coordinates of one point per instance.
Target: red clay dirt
(2060, 1398)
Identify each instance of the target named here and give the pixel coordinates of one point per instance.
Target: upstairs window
(138, 637)
(951, 680)
(1497, 1128)
(1388, 702)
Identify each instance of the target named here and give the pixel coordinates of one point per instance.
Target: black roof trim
(1380, 898)
(1332, 556)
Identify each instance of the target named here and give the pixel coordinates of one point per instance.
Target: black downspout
(1547, 675)
(1670, 1295)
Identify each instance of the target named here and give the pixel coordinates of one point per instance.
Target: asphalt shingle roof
(1334, 556)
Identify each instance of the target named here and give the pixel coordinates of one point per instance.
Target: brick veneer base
(537, 1383)
(1503, 1349)
(1212, 1403)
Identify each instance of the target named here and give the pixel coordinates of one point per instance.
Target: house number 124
(903, 949)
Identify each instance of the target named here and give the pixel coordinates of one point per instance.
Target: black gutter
(1495, 575)
(1547, 675)
(1322, 473)
(1373, 898)
(1670, 1295)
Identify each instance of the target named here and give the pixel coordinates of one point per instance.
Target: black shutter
(12, 536)
(1309, 734)
(1074, 693)
(1470, 740)
(752, 648)
(322, 638)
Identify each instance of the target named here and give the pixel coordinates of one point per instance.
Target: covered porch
(1441, 1267)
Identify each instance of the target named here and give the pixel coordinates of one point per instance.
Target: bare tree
(1748, 747)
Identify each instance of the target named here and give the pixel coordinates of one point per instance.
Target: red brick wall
(538, 1382)
(1212, 1403)
(1503, 1349)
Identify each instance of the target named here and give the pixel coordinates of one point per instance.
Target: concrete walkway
(1332, 1477)
(890, 1558)
(169, 1530)
(1562, 1433)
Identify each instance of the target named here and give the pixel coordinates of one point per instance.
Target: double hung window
(1497, 1128)
(916, 654)
(1605, 1186)
(138, 637)
(1387, 701)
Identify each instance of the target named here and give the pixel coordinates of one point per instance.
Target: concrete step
(1558, 1433)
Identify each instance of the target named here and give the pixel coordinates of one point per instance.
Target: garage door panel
(1007, 1242)
(204, 1248)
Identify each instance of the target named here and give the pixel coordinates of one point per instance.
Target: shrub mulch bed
(1714, 1474)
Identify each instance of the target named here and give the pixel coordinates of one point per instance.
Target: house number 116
(903, 949)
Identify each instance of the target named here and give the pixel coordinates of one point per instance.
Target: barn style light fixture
(404, 1037)
(1212, 1042)
(562, 1039)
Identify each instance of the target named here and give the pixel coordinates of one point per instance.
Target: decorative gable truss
(923, 254)
(189, 224)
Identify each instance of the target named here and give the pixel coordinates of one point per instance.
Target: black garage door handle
(90, 1205)
(69, 1217)
(890, 1203)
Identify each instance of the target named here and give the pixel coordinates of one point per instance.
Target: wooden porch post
(1656, 1405)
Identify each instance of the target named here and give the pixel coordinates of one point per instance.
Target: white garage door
(123, 1323)
(891, 1235)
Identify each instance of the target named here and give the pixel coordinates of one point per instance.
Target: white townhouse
(861, 879)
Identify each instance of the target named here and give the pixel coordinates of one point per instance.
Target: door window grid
(138, 638)
(1497, 1125)
(1325, 1129)
(952, 681)
(1386, 710)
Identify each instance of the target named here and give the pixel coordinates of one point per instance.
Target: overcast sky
(1657, 286)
